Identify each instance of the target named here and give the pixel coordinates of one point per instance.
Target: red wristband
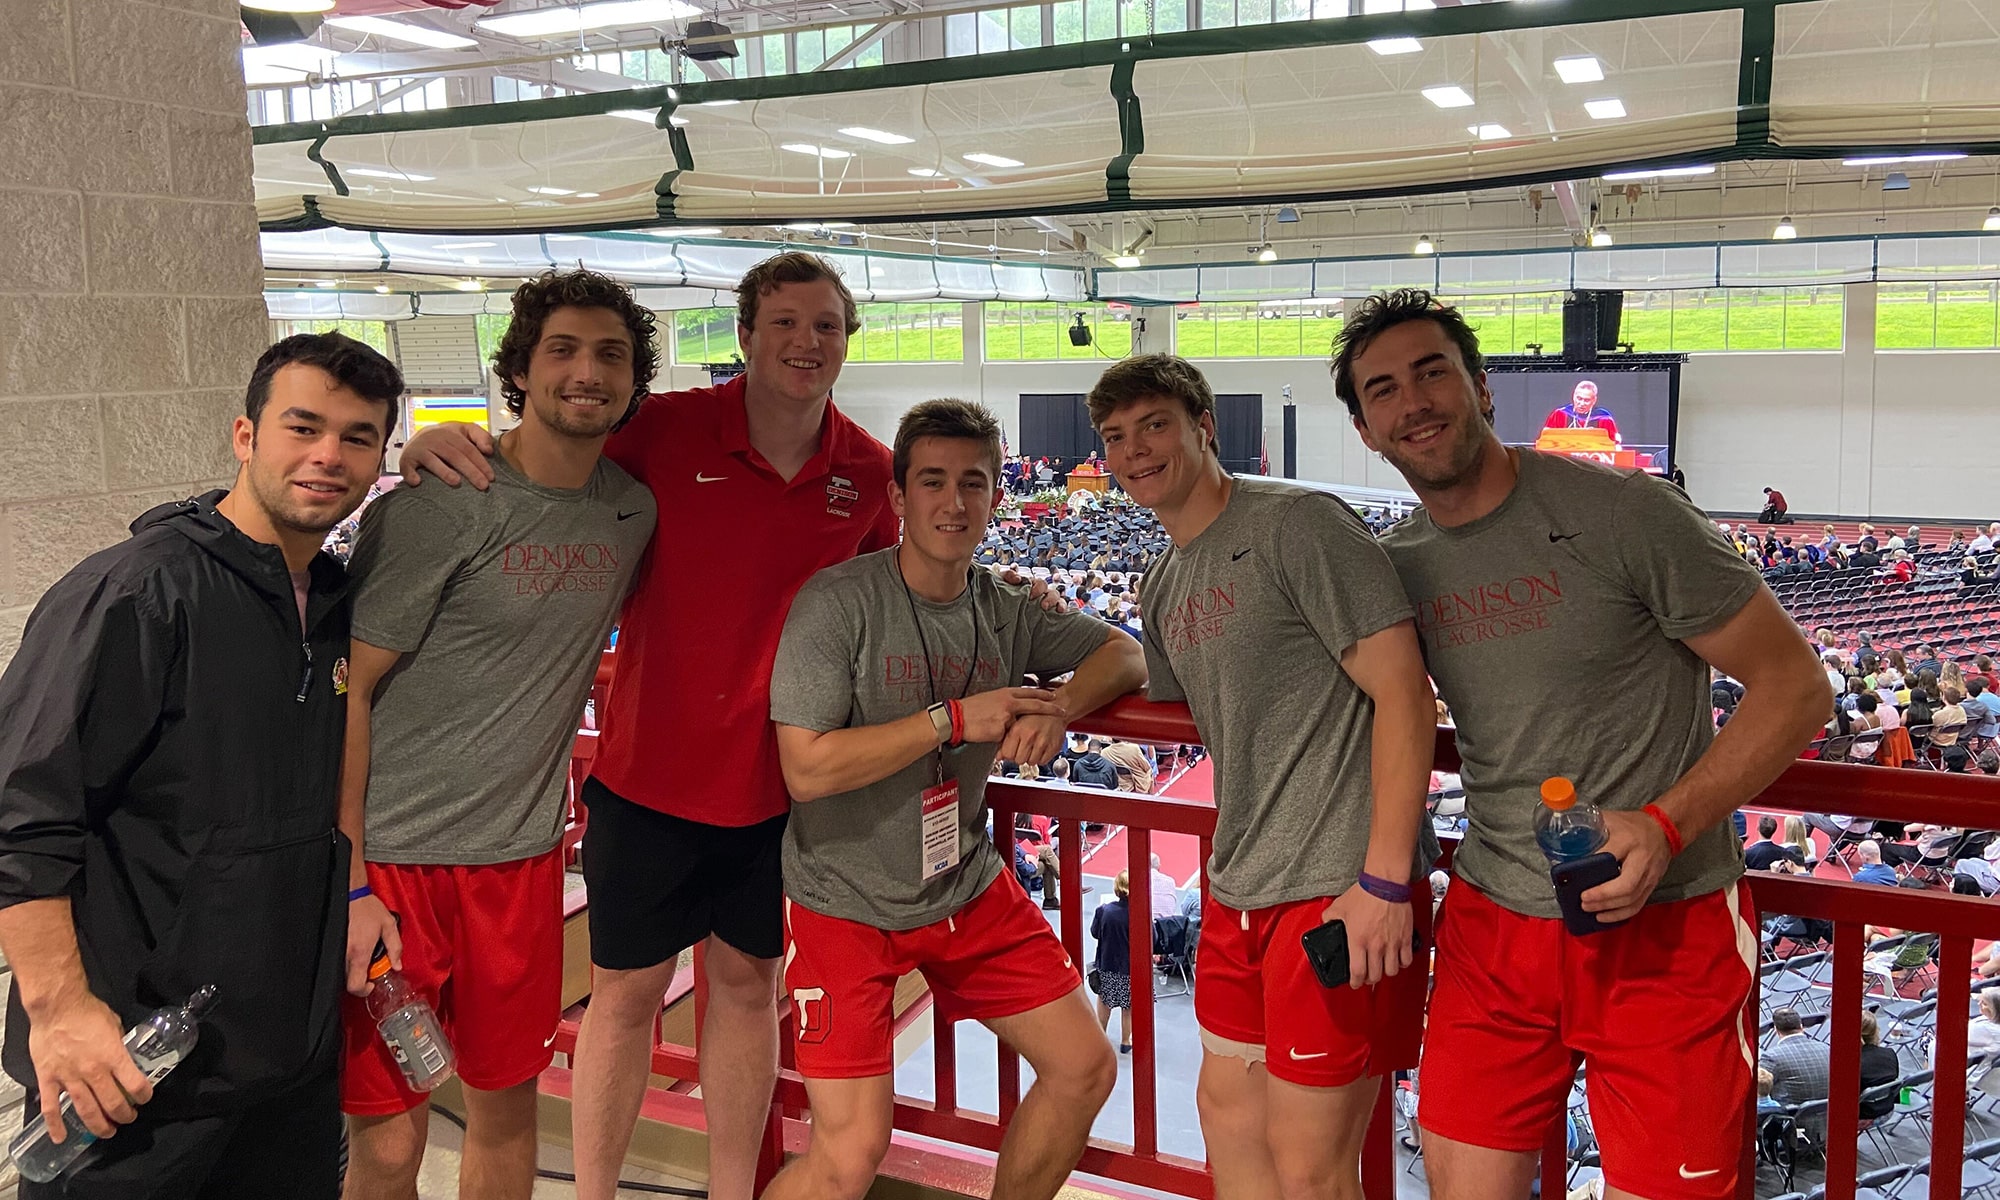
(1660, 818)
(957, 721)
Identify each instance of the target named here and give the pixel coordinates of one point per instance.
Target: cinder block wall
(131, 306)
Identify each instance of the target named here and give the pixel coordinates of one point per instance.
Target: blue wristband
(1384, 889)
(358, 893)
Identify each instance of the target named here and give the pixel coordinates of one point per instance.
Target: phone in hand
(1326, 951)
(1572, 880)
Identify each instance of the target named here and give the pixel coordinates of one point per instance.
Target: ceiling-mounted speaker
(709, 51)
(276, 28)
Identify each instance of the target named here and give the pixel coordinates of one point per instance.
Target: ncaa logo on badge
(840, 496)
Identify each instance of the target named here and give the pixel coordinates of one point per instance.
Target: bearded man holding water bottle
(1532, 577)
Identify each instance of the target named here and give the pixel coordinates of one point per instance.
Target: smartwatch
(940, 714)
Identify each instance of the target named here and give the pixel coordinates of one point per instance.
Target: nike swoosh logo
(1239, 554)
(701, 478)
(1687, 1174)
(1563, 537)
(628, 516)
(1297, 1057)
(551, 1040)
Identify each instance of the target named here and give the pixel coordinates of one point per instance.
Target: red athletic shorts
(1256, 997)
(1658, 1010)
(484, 946)
(996, 957)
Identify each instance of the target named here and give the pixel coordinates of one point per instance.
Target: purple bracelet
(1384, 889)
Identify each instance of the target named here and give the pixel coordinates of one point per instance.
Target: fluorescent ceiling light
(925, 172)
(1600, 237)
(1449, 96)
(586, 195)
(402, 31)
(1605, 110)
(553, 191)
(1488, 133)
(990, 160)
(649, 116)
(690, 231)
(378, 173)
(1992, 224)
(1398, 45)
(381, 289)
(1658, 173)
(570, 18)
(816, 151)
(1124, 262)
(1582, 69)
(1785, 231)
(1887, 159)
(1424, 245)
(876, 135)
(719, 103)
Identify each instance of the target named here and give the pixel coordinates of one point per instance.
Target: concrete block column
(131, 307)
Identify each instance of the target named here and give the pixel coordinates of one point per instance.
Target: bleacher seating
(1934, 608)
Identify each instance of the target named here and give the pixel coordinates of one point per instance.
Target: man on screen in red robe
(1582, 412)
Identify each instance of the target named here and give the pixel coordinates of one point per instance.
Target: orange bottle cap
(380, 967)
(1558, 793)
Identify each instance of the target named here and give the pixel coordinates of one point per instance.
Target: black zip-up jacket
(169, 760)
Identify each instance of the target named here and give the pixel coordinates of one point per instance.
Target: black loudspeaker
(1590, 323)
(276, 28)
(1079, 333)
(710, 51)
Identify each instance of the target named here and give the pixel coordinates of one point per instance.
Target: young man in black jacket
(170, 742)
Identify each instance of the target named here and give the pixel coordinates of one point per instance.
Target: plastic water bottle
(408, 1024)
(157, 1045)
(1565, 827)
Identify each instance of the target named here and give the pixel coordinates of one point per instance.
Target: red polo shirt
(688, 729)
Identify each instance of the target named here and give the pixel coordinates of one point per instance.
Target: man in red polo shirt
(760, 483)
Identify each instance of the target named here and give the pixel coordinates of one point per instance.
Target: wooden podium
(1592, 443)
(1084, 480)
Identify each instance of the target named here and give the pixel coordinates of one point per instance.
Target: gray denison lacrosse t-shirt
(851, 656)
(1247, 623)
(499, 602)
(1552, 628)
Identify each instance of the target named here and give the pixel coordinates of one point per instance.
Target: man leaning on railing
(1534, 578)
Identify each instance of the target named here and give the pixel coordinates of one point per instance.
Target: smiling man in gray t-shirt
(1277, 619)
(478, 621)
(1570, 613)
(895, 686)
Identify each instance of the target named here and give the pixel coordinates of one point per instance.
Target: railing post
(1378, 1146)
(1948, 1085)
(1139, 923)
(1555, 1157)
(1843, 1096)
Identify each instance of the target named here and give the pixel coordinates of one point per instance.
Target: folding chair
(1798, 979)
(1170, 953)
(1916, 1108)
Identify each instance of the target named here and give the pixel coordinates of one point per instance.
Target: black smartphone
(1573, 879)
(1326, 949)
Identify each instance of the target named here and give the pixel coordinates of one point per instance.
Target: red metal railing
(1860, 791)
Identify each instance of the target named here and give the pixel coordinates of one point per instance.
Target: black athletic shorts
(286, 1146)
(659, 884)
